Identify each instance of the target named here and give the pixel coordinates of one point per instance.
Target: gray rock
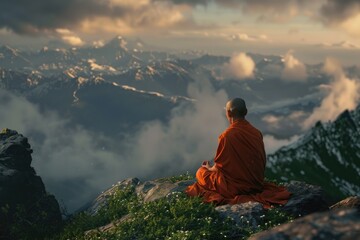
(148, 191)
(21, 188)
(160, 189)
(93, 207)
(305, 199)
(245, 214)
(335, 225)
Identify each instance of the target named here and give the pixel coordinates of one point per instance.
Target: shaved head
(237, 107)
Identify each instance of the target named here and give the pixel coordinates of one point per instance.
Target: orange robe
(239, 173)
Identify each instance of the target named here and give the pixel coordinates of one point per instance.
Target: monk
(237, 175)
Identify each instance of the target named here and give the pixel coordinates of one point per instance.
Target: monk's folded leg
(206, 178)
(205, 186)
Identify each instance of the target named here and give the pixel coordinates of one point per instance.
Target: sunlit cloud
(248, 38)
(344, 93)
(69, 37)
(240, 66)
(73, 40)
(352, 25)
(98, 43)
(342, 14)
(294, 70)
(79, 14)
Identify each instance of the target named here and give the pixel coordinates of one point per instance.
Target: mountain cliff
(26, 209)
(327, 155)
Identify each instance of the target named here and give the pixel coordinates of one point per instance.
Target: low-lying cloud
(343, 93)
(294, 69)
(76, 164)
(240, 66)
(272, 144)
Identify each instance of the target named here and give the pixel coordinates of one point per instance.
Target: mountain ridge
(328, 155)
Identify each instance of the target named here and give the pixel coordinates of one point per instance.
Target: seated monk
(238, 172)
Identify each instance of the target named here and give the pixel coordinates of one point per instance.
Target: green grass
(181, 177)
(176, 216)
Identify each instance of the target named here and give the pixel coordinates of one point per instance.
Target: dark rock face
(336, 224)
(305, 199)
(245, 214)
(24, 202)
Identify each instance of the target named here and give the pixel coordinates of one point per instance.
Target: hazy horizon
(312, 30)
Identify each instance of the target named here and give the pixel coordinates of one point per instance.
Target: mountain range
(58, 79)
(116, 89)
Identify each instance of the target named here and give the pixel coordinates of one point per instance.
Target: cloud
(271, 10)
(45, 16)
(342, 14)
(187, 139)
(69, 37)
(240, 66)
(341, 44)
(277, 123)
(344, 93)
(247, 38)
(272, 144)
(76, 164)
(71, 160)
(294, 70)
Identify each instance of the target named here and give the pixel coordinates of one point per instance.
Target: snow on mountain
(327, 155)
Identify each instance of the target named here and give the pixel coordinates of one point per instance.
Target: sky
(314, 30)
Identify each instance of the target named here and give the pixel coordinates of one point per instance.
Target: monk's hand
(206, 164)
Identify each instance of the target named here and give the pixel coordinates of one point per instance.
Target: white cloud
(241, 66)
(76, 164)
(99, 43)
(70, 161)
(294, 70)
(276, 123)
(69, 37)
(187, 139)
(344, 93)
(73, 40)
(272, 144)
(248, 38)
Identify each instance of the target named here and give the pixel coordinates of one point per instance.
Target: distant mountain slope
(328, 155)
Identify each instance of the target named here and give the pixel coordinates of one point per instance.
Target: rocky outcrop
(245, 214)
(336, 225)
(25, 206)
(305, 199)
(148, 191)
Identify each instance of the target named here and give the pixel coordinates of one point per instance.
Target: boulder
(305, 199)
(245, 215)
(24, 202)
(338, 224)
(148, 191)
